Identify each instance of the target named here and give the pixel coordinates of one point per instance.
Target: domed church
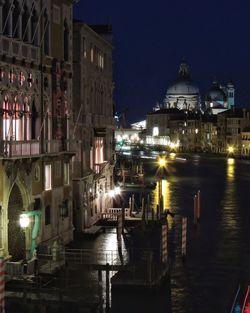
(182, 93)
(219, 98)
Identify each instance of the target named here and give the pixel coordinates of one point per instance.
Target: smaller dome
(215, 93)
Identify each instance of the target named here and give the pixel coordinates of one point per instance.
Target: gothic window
(33, 121)
(34, 28)
(66, 40)
(46, 33)
(7, 17)
(47, 177)
(99, 151)
(25, 24)
(16, 19)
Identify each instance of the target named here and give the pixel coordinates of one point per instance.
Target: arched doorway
(16, 237)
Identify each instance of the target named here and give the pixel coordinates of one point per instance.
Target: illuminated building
(93, 122)
(35, 108)
(219, 98)
(182, 93)
(231, 125)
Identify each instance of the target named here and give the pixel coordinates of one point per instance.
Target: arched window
(66, 41)
(34, 28)
(7, 19)
(46, 33)
(25, 24)
(16, 20)
(33, 120)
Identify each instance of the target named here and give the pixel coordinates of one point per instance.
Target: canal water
(218, 249)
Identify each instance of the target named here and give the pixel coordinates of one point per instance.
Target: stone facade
(93, 122)
(35, 116)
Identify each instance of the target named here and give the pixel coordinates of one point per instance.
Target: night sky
(151, 38)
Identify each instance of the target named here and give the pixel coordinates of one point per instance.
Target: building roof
(166, 111)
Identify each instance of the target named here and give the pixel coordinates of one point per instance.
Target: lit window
(66, 173)
(92, 54)
(47, 177)
(99, 150)
(155, 131)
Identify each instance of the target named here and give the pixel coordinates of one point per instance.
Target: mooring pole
(195, 210)
(184, 237)
(107, 288)
(100, 291)
(198, 205)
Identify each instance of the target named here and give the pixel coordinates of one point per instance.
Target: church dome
(183, 85)
(215, 93)
(182, 93)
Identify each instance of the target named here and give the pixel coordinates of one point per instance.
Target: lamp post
(24, 222)
(162, 164)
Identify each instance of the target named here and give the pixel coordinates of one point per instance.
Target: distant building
(182, 94)
(93, 122)
(231, 124)
(219, 98)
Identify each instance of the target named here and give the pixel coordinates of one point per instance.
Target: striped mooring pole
(164, 243)
(2, 285)
(184, 237)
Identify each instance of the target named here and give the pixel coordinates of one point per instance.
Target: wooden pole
(107, 288)
(100, 291)
(184, 237)
(143, 209)
(133, 203)
(198, 205)
(130, 206)
(148, 207)
(2, 285)
(195, 210)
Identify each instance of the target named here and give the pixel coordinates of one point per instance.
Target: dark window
(46, 33)
(47, 215)
(34, 28)
(25, 24)
(66, 41)
(16, 19)
(6, 24)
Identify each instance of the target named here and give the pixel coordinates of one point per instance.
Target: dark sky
(150, 39)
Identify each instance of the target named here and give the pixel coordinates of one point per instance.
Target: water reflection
(230, 169)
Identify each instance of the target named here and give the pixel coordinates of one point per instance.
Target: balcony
(32, 148)
(12, 47)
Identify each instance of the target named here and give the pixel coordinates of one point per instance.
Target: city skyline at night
(150, 41)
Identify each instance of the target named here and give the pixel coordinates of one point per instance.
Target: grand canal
(218, 249)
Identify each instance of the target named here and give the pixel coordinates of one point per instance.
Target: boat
(241, 301)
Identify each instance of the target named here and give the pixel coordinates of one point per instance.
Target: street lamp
(162, 162)
(230, 149)
(111, 193)
(117, 190)
(24, 221)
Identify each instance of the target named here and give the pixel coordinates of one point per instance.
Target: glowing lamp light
(24, 220)
(196, 130)
(230, 149)
(162, 162)
(172, 155)
(111, 193)
(117, 190)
